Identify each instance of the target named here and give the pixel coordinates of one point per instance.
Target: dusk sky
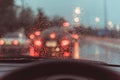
(65, 8)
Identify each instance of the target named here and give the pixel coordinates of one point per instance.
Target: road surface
(100, 50)
(90, 49)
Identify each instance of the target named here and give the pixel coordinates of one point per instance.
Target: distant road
(99, 49)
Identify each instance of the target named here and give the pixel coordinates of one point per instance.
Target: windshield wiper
(100, 63)
(18, 59)
(111, 65)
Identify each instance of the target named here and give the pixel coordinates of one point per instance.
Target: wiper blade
(111, 65)
(101, 63)
(17, 59)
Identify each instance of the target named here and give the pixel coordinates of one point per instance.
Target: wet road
(90, 49)
(93, 49)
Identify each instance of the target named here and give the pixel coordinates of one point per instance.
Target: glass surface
(96, 23)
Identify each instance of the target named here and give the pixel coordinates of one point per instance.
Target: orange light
(37, 33)
(37, 43)
(65, 42)
(32, 36)
(2, 42)
(33, 53)
(75, 36)
(66, 54)
(66, 24)
(52, 35)
(15, 42)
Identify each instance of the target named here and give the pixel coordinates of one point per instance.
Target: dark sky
(65, 8)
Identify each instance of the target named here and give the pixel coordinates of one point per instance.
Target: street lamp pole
(22, 1)
(105, 13)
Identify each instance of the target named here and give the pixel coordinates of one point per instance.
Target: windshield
(86, 29)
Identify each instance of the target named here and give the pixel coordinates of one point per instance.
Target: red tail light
(66, 54)
(52, 35)
(37, 33)
(32, 36)
(15, 42)
(65, 42)
(2, 42)
(66, 24)
(38, 43)
(33, 53)
(75, 36)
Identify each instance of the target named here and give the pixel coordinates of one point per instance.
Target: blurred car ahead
(53, 43)
(13, 44)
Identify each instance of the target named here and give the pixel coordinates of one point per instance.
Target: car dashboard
(7, 68)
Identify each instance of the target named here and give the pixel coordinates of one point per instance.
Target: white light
(76, 19)
(110, 24)
(20, 35)
(97, 19)
(51, 43)
(118, 27)
(77, 10)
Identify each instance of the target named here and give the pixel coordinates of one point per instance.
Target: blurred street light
(118, 27)
(20, 35)
(77, 10)
(76, 16)
(110, 24)
(97, 19)
(76, 19)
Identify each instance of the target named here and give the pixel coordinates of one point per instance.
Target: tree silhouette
(26, 18)
(7, 16)
(42, 20)
(11, 21)
(57, 21)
